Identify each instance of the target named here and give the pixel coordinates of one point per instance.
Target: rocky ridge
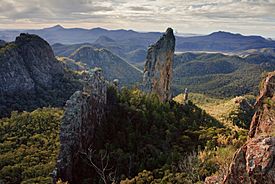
(27, 62)
(31, 76)
(84, 111)
(157, 77)
(254, 161)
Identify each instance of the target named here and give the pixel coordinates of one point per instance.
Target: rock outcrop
(31, 76)
(254, 162)
(263, 121)
(27, 63)
(84, 111)
(158, 68)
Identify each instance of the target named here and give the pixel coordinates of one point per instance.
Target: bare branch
(102, 168)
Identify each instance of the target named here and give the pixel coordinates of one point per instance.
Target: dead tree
(101, 165)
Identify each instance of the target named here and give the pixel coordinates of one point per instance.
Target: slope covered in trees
(29, 144)
(214, 74)
(220, 75)
(140, 133)
(113, 66)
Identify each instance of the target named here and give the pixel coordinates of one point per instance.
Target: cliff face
(158, 68)
(31, 77)
(263, 121)
(254, 161)
(84, 111)
(26, 63)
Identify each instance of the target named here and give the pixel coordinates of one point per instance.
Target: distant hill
(133, 56)
(220, 75)
(63, 50)
(223, 41)
(262, 51)
(59, 34)
(123, 41)
(104, 40)
(215, 74)
(113, 66)
(136, 56)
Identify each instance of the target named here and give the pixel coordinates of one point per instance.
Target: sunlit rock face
(254, 161)
(158, 68)
(84, 112)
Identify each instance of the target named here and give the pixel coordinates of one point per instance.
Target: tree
(100, 163)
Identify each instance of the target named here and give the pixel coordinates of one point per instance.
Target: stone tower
(158, 70)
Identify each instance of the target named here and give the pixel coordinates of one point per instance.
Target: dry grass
(220, 109)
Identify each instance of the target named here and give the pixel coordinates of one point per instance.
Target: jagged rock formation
(30, 72)
(27, 62)
(254, 161)
(158, 68)
(84, 112)
(263, 121)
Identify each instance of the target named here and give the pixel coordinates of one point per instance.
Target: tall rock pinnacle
(157, 76)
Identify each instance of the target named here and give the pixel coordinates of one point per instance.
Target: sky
(249, 17)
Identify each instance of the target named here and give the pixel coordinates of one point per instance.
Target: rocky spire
(254, 161)
(84, 111)
(157, 76)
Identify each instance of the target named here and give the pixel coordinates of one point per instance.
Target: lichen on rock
(254, 161)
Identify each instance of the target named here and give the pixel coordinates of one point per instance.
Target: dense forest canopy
(140, 133)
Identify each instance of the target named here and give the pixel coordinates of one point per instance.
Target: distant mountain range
(58, 34)
(224, 42)
(116, 51)
(123, 41)
(215, 74)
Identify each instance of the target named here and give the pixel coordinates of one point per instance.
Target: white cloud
(200, 16)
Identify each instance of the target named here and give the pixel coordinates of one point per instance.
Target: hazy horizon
(141, 31)
(247, 17)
